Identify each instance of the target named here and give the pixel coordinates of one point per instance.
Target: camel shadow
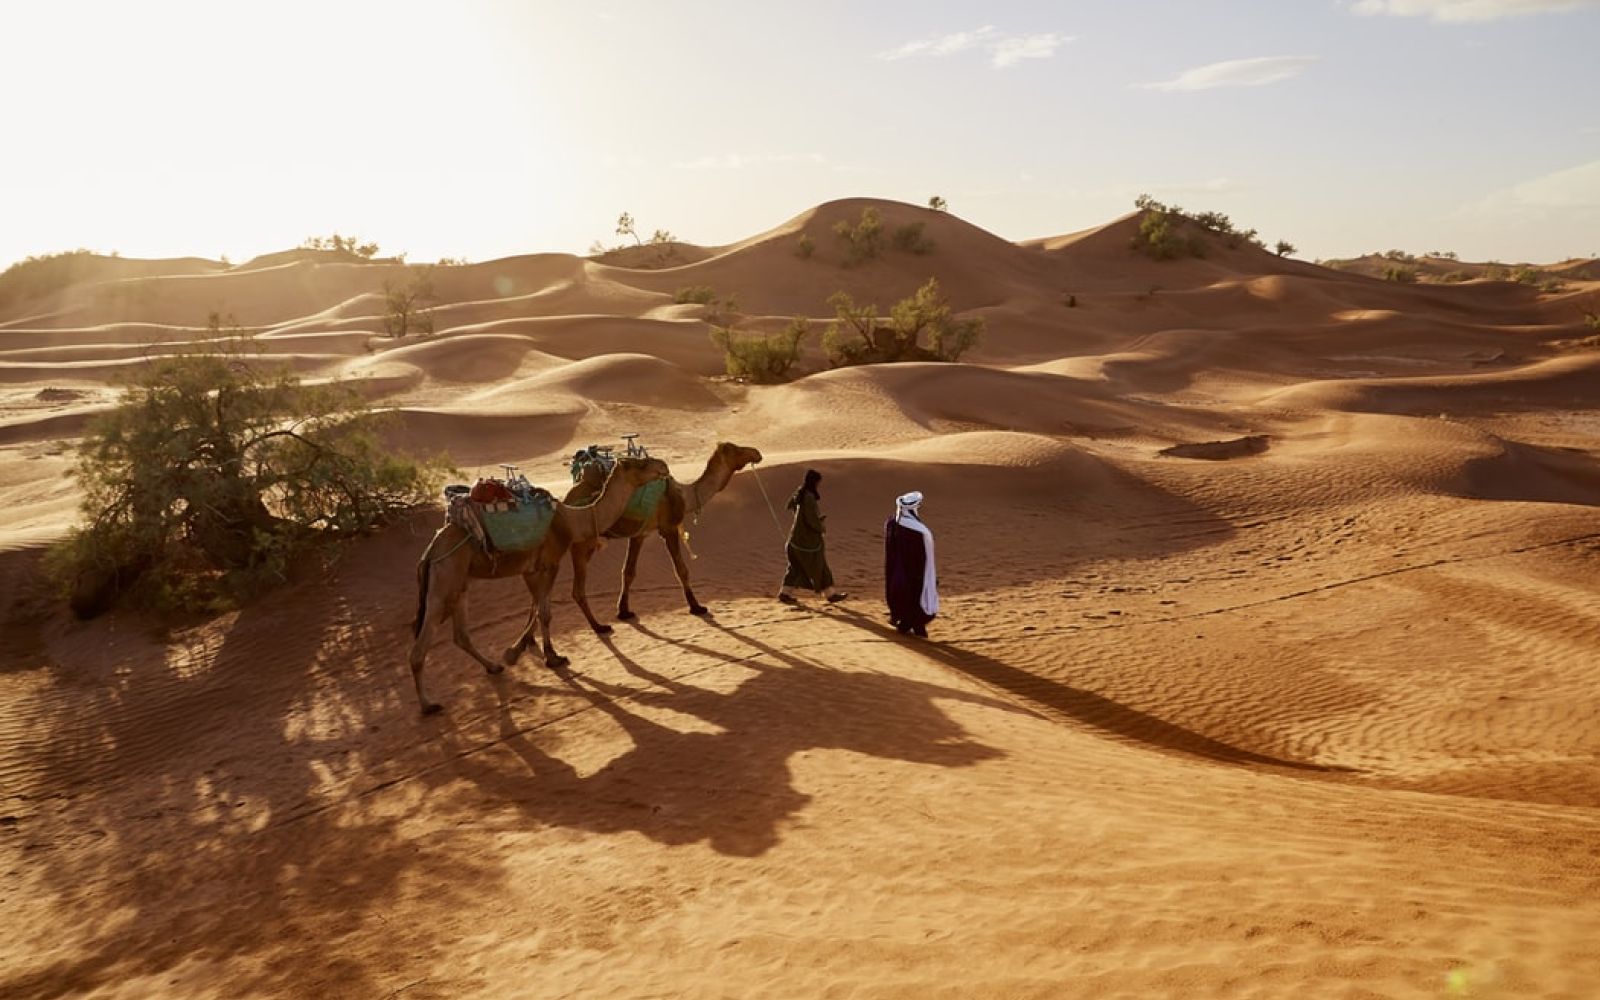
(725, 779)
(196, 785)
(1097, 711)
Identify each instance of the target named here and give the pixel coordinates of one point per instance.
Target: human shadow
(1091, 709)
(724, 779)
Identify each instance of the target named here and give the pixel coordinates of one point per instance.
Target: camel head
(737, 456)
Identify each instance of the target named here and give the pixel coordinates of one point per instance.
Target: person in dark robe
(808, 557)
(910, 580)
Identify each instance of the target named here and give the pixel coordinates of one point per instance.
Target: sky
(480, 129)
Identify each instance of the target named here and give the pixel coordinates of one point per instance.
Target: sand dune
(1267, 665)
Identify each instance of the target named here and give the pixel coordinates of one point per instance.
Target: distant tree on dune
(1285, 248)
(625, 228)
(406, 307)
(341, 244)
(938, 204)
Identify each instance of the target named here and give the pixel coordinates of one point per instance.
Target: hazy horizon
(494, 128)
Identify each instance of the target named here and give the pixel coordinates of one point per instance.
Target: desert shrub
(864, 240)
(804, 248)
(1526, 276)
(850, 338)
(698, 294)
(927, 311)
(1403, 275)
(761, 358)
(1452, 277)
(1162, 236)
(1399, 255)
(407, 307)
(452, 262)
(214, 475)
(910, 239)
(341, 244)
(1552, 284)
(858, 336)
(1284, 248)
(938, 204)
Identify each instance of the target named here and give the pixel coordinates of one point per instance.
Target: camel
(442, 579)
(677, 503)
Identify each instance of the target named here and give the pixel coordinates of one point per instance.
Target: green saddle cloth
(642, 504)
(517, 527)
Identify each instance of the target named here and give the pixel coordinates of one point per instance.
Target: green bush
(805, 247)
(1452, 277)
(1162, 235)
(1284, 248)
(1403, 275)
(213, 475)
(938, 204)
(697, 294)
(857, 335)
(761, 358)
(864, 240)
(910, 239)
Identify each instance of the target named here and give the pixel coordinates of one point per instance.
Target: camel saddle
(501, 516)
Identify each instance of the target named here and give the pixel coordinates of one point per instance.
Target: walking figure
(808, 557)
(910, 580)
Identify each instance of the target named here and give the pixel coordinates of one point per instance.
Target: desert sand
(1269, 663)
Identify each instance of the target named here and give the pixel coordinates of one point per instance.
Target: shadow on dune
(183, 809)
(1098, 711)
(731, 788)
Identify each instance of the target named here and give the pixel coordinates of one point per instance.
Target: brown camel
(442, 579)
(677, 503)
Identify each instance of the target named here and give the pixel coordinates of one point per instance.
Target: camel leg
(458, 615)
(581, 554)
(681, 567)
(630, 569)
(433, 610)
(546, 582)
(514, 651)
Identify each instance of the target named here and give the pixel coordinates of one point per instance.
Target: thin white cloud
(1465, 11)
(1004, 50)
(1237, 73)
(942, 46)
(1575, 187)
(1010, 51)
(1565, 193)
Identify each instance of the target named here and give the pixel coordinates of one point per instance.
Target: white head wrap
(907, 504)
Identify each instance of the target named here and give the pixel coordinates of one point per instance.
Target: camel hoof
(432, 708)
(625, 615)
(602, 630)
(699, 609)
(510, 657)
(557, 662)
